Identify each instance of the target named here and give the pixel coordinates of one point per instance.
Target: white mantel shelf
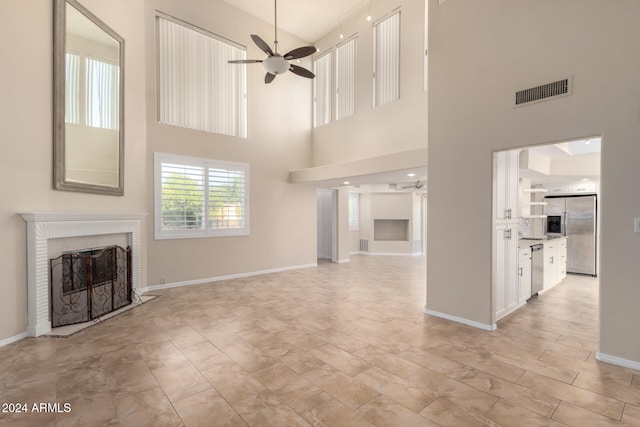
(78, 216)
(42, 226)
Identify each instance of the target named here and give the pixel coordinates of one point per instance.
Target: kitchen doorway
(327, 224)
(529, 184)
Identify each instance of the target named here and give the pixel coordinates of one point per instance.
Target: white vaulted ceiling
(306, 19)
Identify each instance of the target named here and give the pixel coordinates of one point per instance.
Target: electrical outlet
(636, 225)
(163, 280)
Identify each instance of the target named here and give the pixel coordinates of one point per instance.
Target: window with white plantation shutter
(197, 87)
(322, 90)
(386, 50)
(200, 197)
(346, 79)
(354, 211)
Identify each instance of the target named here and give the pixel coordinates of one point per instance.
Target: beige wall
(26, 31)
(282, 215)
(395, 127)
(481, 53)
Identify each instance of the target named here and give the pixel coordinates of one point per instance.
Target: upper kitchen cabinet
(506, 166)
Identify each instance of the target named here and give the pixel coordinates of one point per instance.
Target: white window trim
(240, 125)
(338, 114)
(161, 234)
(396, 11)
(329, 91)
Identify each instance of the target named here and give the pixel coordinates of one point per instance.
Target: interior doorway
(327, 222)
(527, 184)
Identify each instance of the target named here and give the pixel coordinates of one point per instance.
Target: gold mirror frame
(61, 180)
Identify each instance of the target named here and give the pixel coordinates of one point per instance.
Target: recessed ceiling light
(585, 179)
(411, 175)
(346, 183)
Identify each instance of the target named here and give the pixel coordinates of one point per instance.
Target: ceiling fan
(418, 185)
(276, 63)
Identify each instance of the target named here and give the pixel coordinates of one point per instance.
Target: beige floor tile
(382, 411)
(453, 390)
(342, 360)
(267, 410)
(204, 355)
(205, 409)
(179, 382)
(392, 363)
(341, 340)
(300, 361)
(631, 415)
(514, 393)
(397, 389)
(233, 382)
(584, 398)
(574, 415)
(436, 363)
(566, 375)
(248, 356)
(602, 370)
(91, 410)
(323, 410)
(301, 339)
(608, 387)
(508, 414)
(285, 383)
(344, 388)
(147, 408)
(446, 413)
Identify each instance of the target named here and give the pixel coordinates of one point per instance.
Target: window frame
(354, 218)
(207, 164)
(328, 89)
(376, 72)
(238, 104)
(353, 78)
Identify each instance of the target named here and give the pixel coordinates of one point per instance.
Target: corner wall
(481, 53)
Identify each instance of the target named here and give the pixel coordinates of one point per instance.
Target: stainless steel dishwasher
(537, 269)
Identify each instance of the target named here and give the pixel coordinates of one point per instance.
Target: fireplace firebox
(89, 283)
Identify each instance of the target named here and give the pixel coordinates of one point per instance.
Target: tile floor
(337, 345)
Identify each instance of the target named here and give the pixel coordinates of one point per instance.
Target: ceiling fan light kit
(276, 63)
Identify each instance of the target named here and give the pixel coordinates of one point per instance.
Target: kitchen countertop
(523, 243)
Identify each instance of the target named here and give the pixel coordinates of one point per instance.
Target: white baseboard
(219, 278)
(387, 253)
(343, 261)
(618, 361)
(462, 320)
(12, 339)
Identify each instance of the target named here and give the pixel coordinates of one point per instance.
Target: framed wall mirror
(88, 102)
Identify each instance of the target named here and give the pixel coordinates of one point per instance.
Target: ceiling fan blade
(244, 61)
(268, 78)
(262, 44)
(300, 52)
(301, 71)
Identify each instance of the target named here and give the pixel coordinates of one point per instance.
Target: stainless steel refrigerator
(575, 218)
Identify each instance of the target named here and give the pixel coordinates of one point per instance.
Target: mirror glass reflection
(90, 154)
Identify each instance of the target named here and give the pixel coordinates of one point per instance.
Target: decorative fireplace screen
(89, 283)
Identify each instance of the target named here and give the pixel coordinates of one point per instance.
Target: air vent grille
(544, 92)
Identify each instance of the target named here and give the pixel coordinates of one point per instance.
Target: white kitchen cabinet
(561, 265)
(506, 269)
(585, 187)
(506, 185)
(524, 275)
(550, 271)
(555, 262)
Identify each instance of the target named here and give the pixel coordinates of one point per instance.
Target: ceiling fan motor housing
(276, 64)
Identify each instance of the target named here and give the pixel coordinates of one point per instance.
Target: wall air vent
(544, 92)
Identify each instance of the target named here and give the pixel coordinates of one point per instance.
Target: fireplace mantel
(42, 226)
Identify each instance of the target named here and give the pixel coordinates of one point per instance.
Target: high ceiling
(306, 19)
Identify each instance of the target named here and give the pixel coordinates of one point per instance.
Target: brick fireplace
(45, 227)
